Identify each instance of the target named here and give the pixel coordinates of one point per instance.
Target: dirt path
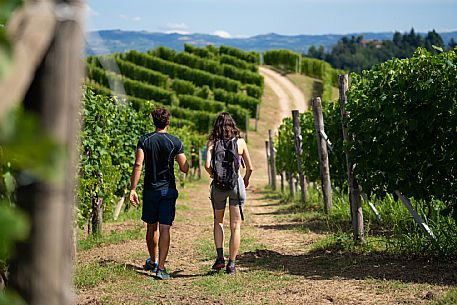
(277, 263)
(290, 97)
(280, 98)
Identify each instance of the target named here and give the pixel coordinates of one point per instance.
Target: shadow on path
(325, 265)
(140, 270)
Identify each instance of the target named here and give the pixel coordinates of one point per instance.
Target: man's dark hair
(161, 117)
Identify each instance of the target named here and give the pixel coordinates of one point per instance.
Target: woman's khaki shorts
(219, 197)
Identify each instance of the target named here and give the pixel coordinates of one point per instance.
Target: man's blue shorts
(159, 206)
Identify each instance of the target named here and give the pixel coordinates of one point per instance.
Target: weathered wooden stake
(323, 154)
(199, 163)
(41, 271)
(119, 204)
(283, 187)
(298, 153)
(97, 215)
(354, 192)
(290, 178)
(272, 160)
(267, 151)
(191, 167)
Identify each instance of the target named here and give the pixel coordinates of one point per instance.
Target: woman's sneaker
(150, 266)
(219, 263)
(162, 274)
(230, 269)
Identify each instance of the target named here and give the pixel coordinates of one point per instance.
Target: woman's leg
(235, 230)
(219, 228)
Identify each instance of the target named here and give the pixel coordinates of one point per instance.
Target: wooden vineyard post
(298, 152)
(42, 270)
(283, 188)
(97, 215)
(272, 160)
(323, 154)
(119, 204)
(354, 192)
(283, 173)
(199, 163)
(191, 166)
(290, 178)
(267, 151)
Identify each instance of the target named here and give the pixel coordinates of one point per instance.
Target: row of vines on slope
(403, 118)
(167, 77)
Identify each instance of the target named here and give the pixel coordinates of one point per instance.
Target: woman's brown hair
(224, 128)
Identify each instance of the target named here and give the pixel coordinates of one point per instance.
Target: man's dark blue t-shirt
(160, 150)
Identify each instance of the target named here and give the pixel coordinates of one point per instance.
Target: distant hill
(109, 41)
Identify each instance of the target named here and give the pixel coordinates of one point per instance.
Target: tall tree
(433, 39)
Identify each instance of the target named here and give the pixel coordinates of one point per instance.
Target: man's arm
(136, 174)
(183, 164)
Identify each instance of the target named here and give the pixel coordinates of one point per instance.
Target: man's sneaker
(150, 266)
(162, 274)
(219, 263)
(230, 269)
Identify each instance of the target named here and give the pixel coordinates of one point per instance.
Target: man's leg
(164, 244)
(152, 240)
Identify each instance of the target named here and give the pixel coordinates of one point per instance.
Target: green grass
(344, 242)
(94, 273)
(131, 214)
(111, 238)
(383, 285)
(397, 233)
(449, 298)
(236, 287)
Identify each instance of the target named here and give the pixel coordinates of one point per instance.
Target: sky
(245, 18)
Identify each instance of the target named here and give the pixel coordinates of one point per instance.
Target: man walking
(158, 150)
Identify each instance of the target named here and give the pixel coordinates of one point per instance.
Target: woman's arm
(209, 150)
(247, 161)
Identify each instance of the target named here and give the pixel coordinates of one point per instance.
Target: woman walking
(226, 150)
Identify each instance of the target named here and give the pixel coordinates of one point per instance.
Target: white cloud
(130, 18)
(222, 34)
(179, 28)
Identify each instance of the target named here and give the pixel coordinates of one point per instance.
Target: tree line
(355, 53)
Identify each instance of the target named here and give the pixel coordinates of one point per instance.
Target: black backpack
(225, 164)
